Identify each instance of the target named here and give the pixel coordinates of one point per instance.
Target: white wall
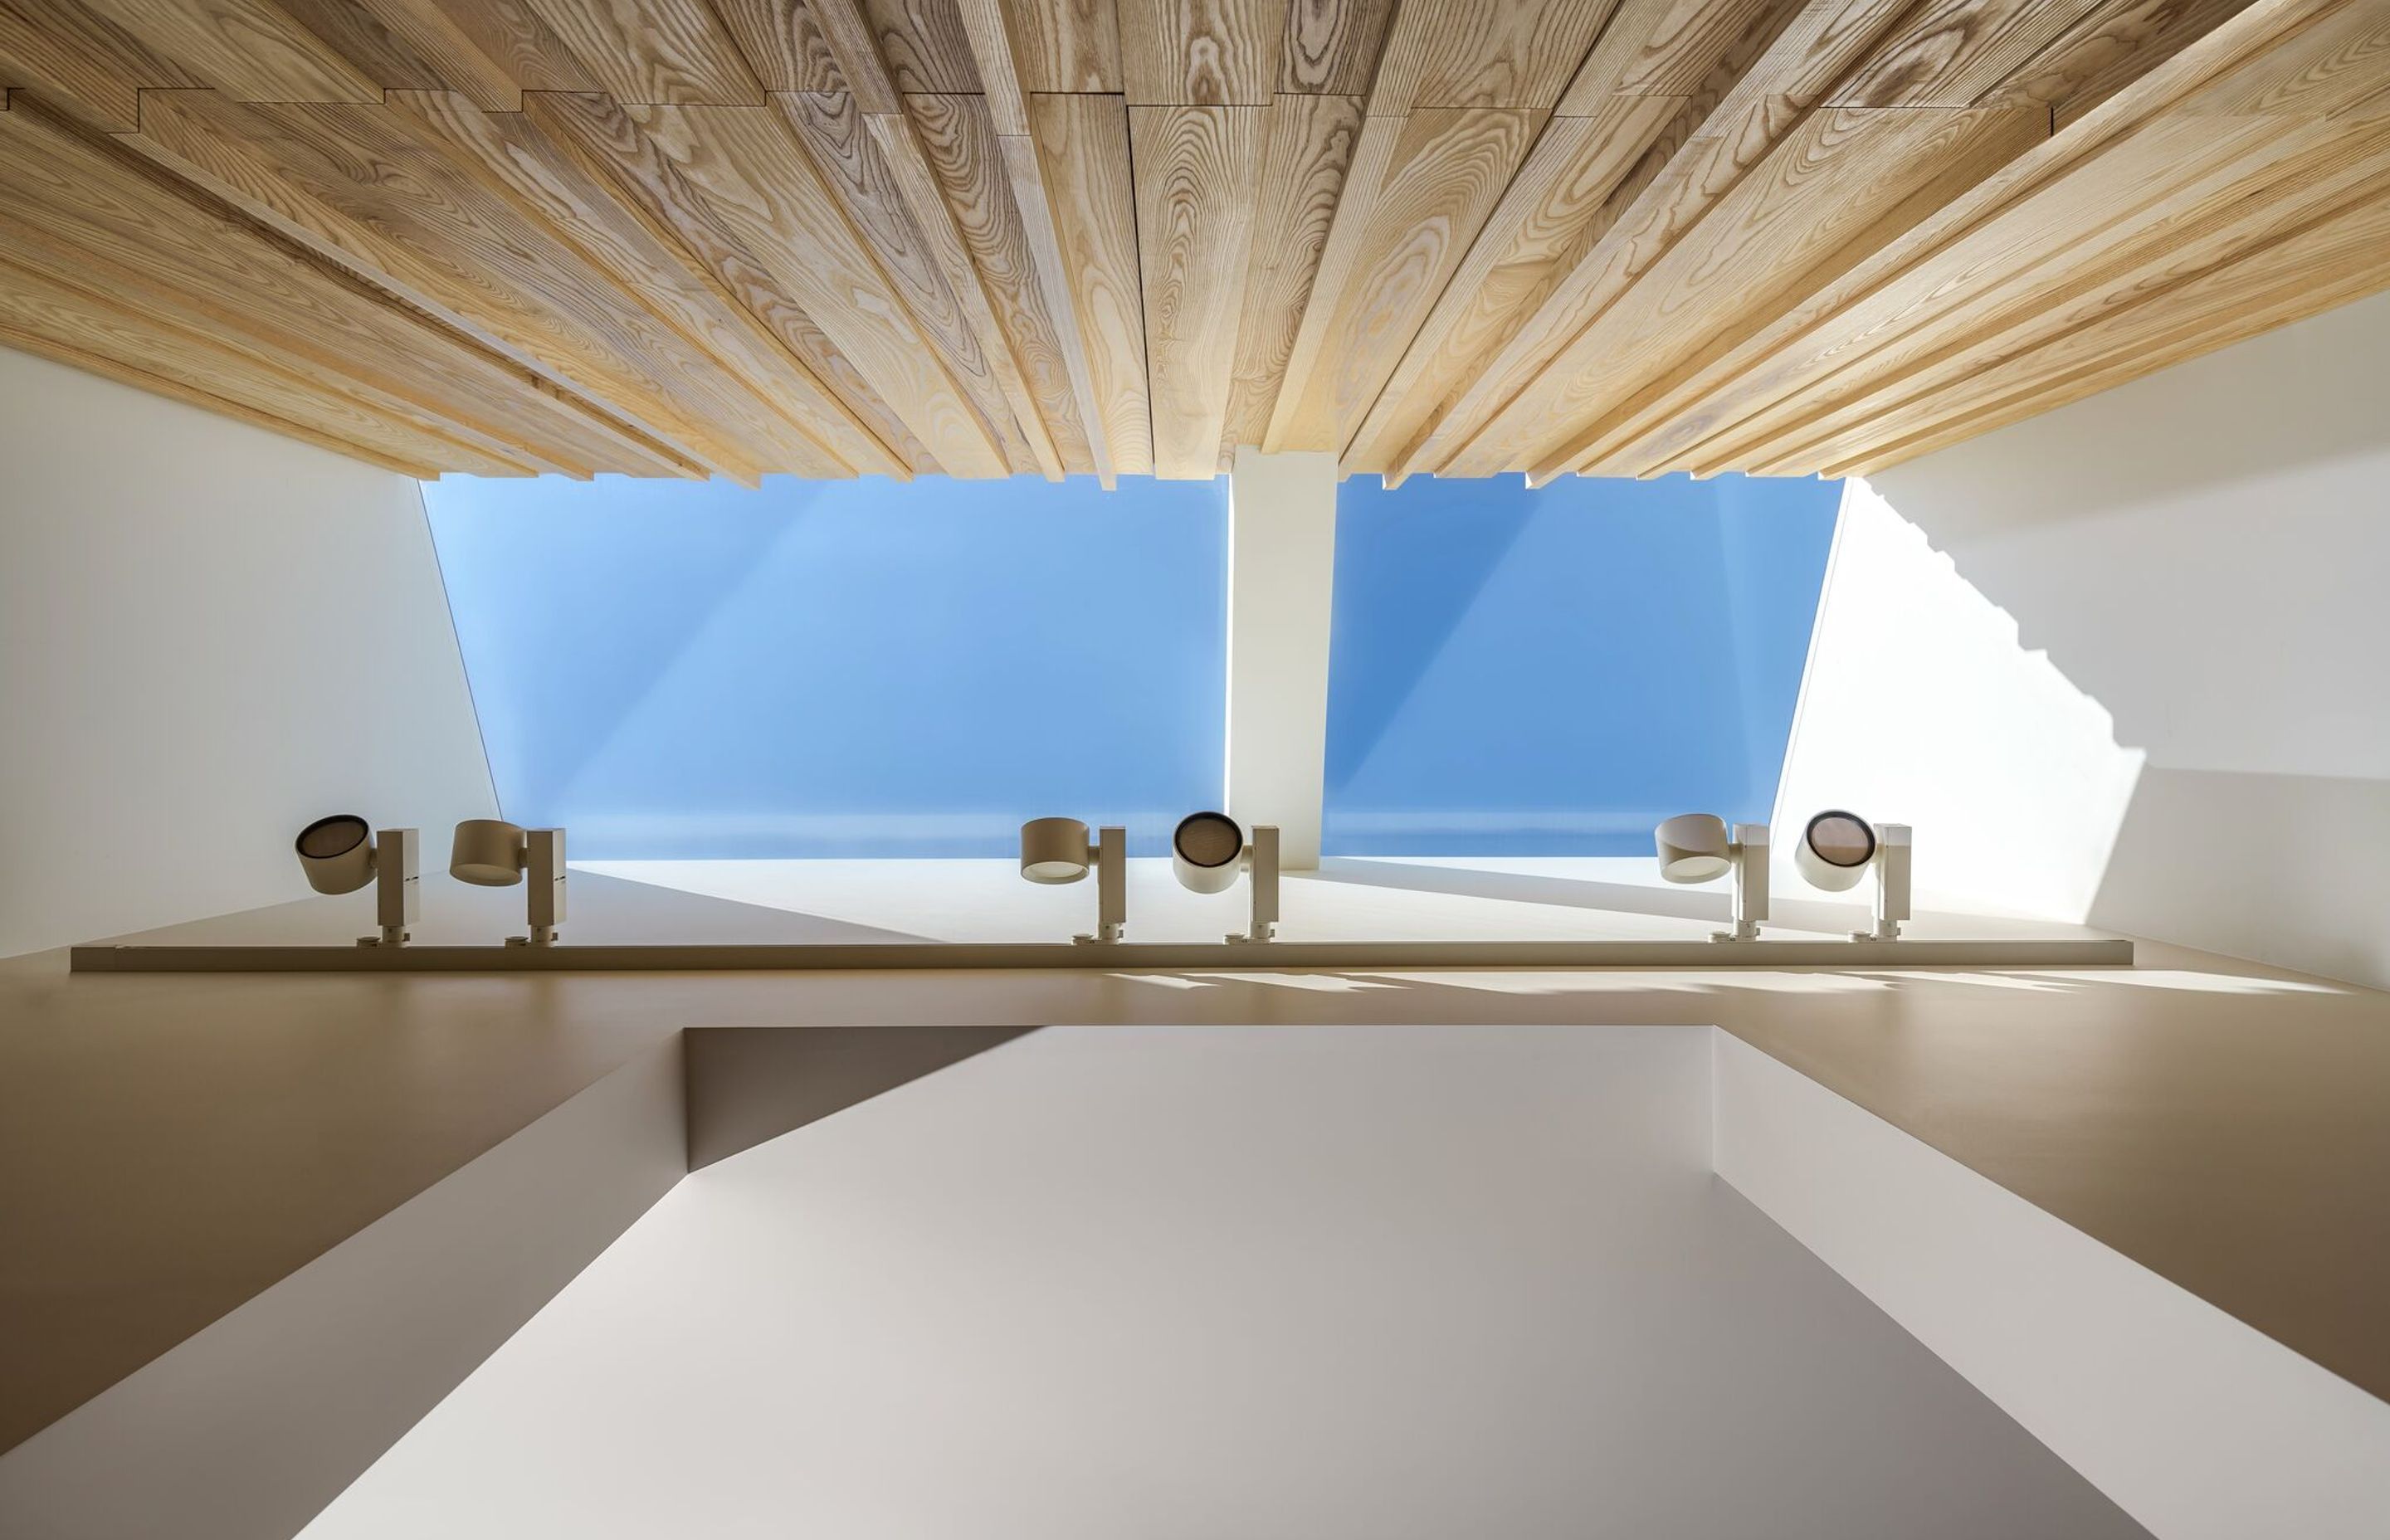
(1344, 1283)
(2203, 554)
(209, 635)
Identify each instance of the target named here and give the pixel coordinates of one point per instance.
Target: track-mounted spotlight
(1207, 851)
(340, 853)
(1839, 849)
(1058, 850)
(1696, 847)
(491, 853)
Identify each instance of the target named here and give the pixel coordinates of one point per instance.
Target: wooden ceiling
(1117, 237)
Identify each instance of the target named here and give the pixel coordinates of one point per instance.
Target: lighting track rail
(1238, 956)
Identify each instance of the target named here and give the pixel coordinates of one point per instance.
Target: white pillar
(1281, 579)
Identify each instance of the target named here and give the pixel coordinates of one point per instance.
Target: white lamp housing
(340, 854)
(491, 853)
(1698, 847)
(1057, 851)
(1839, 849)
(1207, 851)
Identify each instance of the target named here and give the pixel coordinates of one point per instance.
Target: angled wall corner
(212, 635)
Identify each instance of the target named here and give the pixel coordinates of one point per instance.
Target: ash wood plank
(549, 185)
(1438, 182)
(674, 52)
(2330, 262)
(1211, 52)
(77, 357)
(2206, 226)
(1845, 183)
(1515, 53)
(2144, 192)
(1923, 272)
(2115, 45)
(1955, 51)
(923, 43)
(79, 324)
(1331, 47)
(856, 169)
(95, 207)
(168, 314)
(650, 182)
(82, 62)
(784, 43)
(1804, 54)
(756, 179)
(1310, 145)
(1548, 217)
(522, 49)
(1666, 47)
(248, 48)
(1064, 45)
(957, 138)
(1081, 166)
(361, 184)
(1195, 170)
(853, 45)
(908, 163)
(1294, 421)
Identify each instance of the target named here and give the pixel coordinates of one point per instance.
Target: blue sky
(865, 668)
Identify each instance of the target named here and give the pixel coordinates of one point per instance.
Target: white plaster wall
(209, 635)
(1341, 1283)
(2203, 554)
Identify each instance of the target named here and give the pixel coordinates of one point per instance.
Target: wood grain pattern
(1436, 184)
(854, 166)
(783, 43)
(549, 186)
(77, 206)
(1083, 164)
(673, 52)
(923, 43)
(248, 49)
(757, 180)
(1333, 46)
(1310, 143)
(1196, 167)
(649, 180)
(79, 61)
(1548, 217)
(926, 203)
(352, 182)
(1849, 180)
(1066, 45)
(957, 139)
(1201, 51)
(1518, 55)
(990, 238)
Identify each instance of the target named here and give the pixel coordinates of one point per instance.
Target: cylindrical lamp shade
(1693, 847)
(488, 852)
(1204, 849)
(1053, 849)
(336, 854)
(1835, 849)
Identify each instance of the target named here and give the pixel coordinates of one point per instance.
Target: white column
(1281, 579)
